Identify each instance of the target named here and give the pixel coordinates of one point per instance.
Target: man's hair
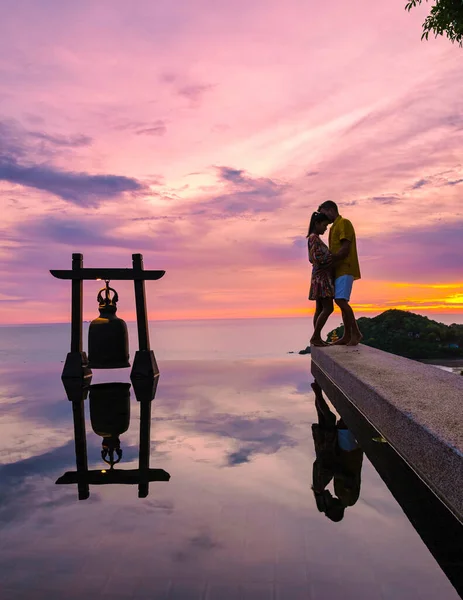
(329, 204)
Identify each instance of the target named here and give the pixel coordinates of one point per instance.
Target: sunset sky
(203, 133)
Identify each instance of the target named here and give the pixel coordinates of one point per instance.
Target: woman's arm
(319, 255)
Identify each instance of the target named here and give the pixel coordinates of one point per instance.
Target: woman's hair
(317, 217)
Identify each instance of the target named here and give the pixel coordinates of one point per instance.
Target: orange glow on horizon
(275, 313)
(369, 297)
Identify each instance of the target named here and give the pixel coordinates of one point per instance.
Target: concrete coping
(418, 408)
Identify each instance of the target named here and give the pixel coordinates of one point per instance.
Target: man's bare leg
(352, 335)
(357, 336)
(346, 336)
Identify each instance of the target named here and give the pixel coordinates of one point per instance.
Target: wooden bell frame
(76, 365)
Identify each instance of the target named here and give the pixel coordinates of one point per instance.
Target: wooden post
(76, 365)
(80, 438)
(76, 305)
(145, 447)
(140, 303)
(145, 391)
(77, 392)
(144, 364)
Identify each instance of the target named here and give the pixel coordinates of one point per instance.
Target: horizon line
(296, 316)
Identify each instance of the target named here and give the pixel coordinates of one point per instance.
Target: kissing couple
(334, 269)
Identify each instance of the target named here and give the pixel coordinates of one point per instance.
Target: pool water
(236, 520)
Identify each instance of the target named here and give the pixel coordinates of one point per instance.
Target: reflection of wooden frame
(76, 365)
(77, 393)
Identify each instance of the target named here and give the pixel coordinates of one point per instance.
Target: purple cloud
(88, 231)
(419, 184)
(385, 199)
(426, 118)
(254, 436)
(72, 141)
(229, 174)
(194, 92)
(245, 198)
(81, 189)
(18, 165)
(291, 251)
(17, 142)
(425, 254)
(158, 128)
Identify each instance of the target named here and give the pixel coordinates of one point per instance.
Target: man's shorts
(343, 287)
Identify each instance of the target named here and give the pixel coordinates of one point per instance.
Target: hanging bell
(108, 340)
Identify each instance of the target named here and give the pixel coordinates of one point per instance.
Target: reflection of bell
(108, 340)
(110, 416)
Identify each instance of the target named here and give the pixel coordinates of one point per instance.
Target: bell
(110, 417)
(108, 340)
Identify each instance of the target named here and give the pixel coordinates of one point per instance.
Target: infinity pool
(236, 520)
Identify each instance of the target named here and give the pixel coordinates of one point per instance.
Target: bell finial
(110, 446)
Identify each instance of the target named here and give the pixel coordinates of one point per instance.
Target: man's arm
(340, 255)
(343, 252)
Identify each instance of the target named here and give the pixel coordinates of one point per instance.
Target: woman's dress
(322, 285)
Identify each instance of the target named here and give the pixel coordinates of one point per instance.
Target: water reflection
(110, 418)
(435, 524)
(338, 458)
(237, 522)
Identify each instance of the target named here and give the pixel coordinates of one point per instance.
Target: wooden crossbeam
(118, 476)
(111, 274)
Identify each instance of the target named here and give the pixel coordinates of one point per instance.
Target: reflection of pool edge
(320, 375)
(417, 407)
(436, 524)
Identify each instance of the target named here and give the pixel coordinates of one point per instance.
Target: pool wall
(417, 408)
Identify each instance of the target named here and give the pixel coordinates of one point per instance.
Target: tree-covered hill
(408, 334)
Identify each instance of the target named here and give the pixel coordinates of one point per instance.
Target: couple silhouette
(334, 269)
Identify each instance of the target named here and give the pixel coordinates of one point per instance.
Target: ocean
(181, 340)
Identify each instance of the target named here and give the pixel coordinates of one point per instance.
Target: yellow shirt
(342, 229)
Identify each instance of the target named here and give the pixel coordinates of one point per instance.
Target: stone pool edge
(416, 407)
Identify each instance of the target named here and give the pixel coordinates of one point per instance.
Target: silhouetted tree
(411, 335)
(446, 17)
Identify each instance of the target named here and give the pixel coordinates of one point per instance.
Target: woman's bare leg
(327, 309)
(318, 310)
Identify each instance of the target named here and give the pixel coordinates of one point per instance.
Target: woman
(322, 284)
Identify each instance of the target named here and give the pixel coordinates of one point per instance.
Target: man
(343, 247)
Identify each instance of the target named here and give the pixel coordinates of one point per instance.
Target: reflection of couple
(338, 457)
(334, 271)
